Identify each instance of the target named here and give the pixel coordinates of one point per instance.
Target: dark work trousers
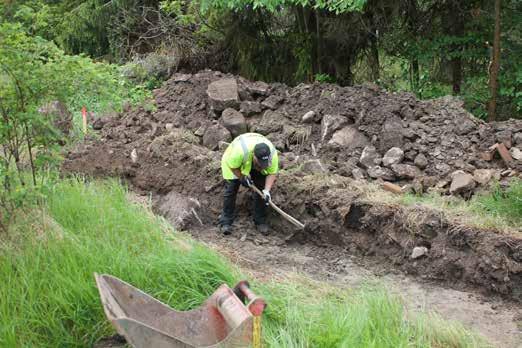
(229, 202)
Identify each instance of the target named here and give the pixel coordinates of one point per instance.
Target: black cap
(262, 153)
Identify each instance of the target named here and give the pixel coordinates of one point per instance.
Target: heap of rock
(361, 131)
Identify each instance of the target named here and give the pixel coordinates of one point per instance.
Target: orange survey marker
(84, 119)
(224, 320)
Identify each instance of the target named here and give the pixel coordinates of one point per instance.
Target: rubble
(370, 157)
(223, 93)
(515, 153)
(359, 131)
(348, 138)
(461, 182)
(421, 161)
(483, 176)
(394, 156)
(418, 252)
(309, 117)
(214, 134)
(234, 121)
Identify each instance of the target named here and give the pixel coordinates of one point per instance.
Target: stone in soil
(314, 166)
(309, 117)
(378, 172)
(461, 182)
(234, 121)
(348, 138)
(223, 93)
(421, 161)
(370, 157)
(516, 153)
(393, 156)
(405, 171)
(483, 176)
(214, 134)
(250, 108)
(418, 252)
(330, 124)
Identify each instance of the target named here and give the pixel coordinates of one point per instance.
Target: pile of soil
(326, 135)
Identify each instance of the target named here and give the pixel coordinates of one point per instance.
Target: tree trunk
(456, 74)
(494, 67)
(412, 14)
(30, 150)
(414, 74)
(455, 30)
(319, 40)
(374, 61)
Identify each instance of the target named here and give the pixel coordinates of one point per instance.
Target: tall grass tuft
(49, 299)
(48, 294)
(504, 203)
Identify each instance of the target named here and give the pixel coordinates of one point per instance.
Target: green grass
(502, 203)
(49, 298)
(499, 209)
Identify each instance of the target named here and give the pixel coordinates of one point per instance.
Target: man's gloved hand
(246, 181)
(267, 197)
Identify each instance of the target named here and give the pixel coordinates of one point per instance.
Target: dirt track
(173, 154)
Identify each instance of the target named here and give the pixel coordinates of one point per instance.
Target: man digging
(251, 159)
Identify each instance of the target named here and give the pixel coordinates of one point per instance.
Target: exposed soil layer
(272, 257)
(174, 154)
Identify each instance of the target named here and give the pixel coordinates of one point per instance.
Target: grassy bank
(498, 208)
(49, 297)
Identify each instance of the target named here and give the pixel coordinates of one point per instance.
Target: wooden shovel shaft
(289, 218)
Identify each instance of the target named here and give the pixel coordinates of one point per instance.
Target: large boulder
(181, 211)
(349, 138)
(214, 134)
(405, 171)
(223, 94)
(330, 124)
(393, 156)
(271, 122)
(461, 182)
(234, 121)
(370, 157)
(391, 134)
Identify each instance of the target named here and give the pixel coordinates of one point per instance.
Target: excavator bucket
(222, 321)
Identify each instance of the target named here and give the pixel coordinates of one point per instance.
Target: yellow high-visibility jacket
(240, 153)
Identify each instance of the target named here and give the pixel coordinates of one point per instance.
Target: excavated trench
(174, 155)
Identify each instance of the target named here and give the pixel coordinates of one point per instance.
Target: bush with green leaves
(34, 72)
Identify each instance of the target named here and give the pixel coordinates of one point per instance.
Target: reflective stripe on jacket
(240, 152)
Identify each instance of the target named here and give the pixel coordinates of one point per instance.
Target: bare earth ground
(271, 257)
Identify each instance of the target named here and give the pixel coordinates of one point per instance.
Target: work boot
(226, 229)
(263, 228)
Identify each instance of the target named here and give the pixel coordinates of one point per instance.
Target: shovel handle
(256, 304)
